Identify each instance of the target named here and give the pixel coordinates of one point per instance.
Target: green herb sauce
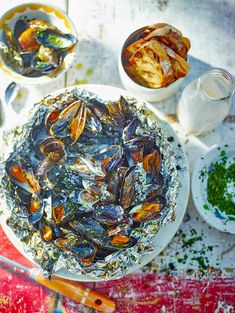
(221, 185)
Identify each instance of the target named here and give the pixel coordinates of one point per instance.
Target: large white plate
(164, 236)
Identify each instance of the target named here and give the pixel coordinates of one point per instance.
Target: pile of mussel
(35, 47)
(88, 175)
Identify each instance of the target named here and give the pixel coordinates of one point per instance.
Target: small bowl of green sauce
(213, 187)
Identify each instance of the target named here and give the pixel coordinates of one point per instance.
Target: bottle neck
(216, 85)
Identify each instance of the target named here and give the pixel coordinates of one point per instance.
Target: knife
(68, 288)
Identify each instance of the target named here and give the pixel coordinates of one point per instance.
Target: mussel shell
(48, 230)
(55, 39)
(93, 125)
(24, 196)
(51, 118)
(90, 229)
(129, 130)
(20, 27)
(21, 174)
(110, 214)
(79, 246)
(115, 110)
(148, 210)
(51, 145)
(35, 209)
(83, 198)
(122, 241)
(62, 125)
(38, 135)
(87, 168)
(62, 208)
(127, 192)
(42, 66)
(110, 158)
(10, 38)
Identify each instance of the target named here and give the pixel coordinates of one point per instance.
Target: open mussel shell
(115, 110)
(87, 168)
(62, 208)
(122, 241)
(148, 210)
(110, 158)
(70, 122)
(127, 192)
(10, 38)
(42, 66)
(51, 144)
(51, 118)
(55, 39)
(85, 199)
(35, 209)
(21, 174)
(129, 130)
(48, 230)
(77, 245)
(93, 126)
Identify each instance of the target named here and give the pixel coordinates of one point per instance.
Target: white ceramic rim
(165, 234)
(198, 187)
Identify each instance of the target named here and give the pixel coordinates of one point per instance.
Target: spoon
(9, 116)
(11, 92)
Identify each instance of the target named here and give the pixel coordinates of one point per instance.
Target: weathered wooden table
(196, 272)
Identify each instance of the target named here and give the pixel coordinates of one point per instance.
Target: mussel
(71, 122)
(62, 208)
(90, 229)
(122, 241)
(150, 209)
(110, 158)
(48, 230)
(51, 145)
(55, 39)
(110, 214)
(88, 168)
(23, 176)
(79, 246)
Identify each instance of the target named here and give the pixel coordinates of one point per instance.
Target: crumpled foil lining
(48, 256)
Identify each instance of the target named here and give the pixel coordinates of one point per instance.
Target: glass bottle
(206, 101)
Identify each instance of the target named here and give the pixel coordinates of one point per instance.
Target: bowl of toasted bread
(154, 61)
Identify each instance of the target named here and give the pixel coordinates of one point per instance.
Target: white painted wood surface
(103, 25)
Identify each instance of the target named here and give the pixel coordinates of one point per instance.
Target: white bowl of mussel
(37, 43)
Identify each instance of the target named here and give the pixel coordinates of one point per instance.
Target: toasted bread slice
(180, 65)
(150, 66)
(171, 38)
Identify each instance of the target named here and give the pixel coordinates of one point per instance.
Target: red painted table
(137, 293)
(196, 272)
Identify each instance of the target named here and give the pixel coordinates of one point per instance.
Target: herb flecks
(221, 185)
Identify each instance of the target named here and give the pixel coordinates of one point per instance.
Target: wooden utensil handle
(78, 292)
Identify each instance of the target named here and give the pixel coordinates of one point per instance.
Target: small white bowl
(45, 12)
(148, 94)
(212, 215)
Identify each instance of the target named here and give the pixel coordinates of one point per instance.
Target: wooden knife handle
(78, 292)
